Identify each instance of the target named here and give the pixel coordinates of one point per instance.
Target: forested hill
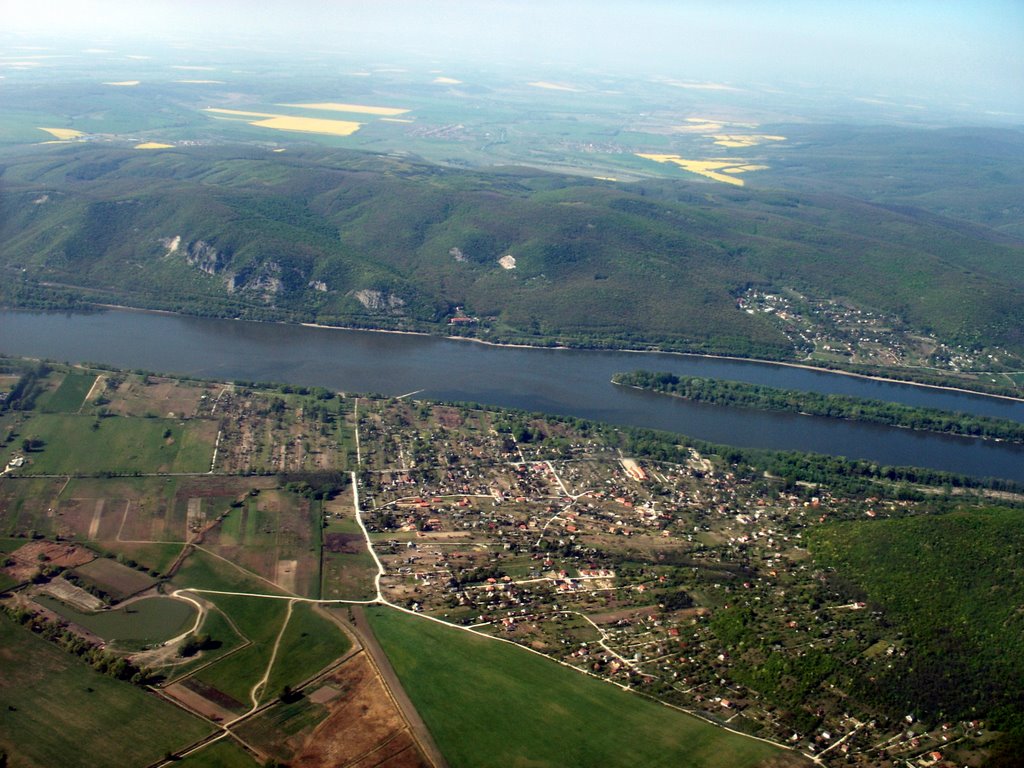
(382, 241)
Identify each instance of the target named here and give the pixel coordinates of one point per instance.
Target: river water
(564, 382)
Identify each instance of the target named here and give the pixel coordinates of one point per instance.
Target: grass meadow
(310, 642)
(69, 395)
(80, 445)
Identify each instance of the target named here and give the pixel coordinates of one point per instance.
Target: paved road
(419, 729)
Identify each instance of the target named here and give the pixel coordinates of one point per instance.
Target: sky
(926, 48)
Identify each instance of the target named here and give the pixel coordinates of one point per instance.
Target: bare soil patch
(285, 576)
(344, 543)
(198, 702)
(29, 557)
(362, 727)
(324, 694)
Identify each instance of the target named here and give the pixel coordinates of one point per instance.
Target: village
(680, 581)
(831, 330)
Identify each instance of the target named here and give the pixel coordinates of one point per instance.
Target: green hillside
(359, 239)
(949, 587)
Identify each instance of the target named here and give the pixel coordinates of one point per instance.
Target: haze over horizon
(970, 55)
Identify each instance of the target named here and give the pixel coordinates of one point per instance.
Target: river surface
(564, 382)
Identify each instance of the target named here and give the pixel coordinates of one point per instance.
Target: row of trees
(101, 660)
(743, 395)
(31, 384)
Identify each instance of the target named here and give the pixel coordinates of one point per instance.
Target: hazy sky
(913, 47)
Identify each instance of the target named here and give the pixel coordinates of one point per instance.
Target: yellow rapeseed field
(124, 82)
(716, 168)
(743, 140)
(153, 145)
(64, 134)
(291, 123)
(330, 106)
(447, 81)
(309, 125)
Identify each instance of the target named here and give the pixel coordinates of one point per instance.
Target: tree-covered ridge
(361, 240)
(952, 585)
(743, 395)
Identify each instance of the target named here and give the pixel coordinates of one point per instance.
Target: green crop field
(259, 620)
(270, 730)
(85, 445)
(117, 580)
(59, 711)
(155, 556)
(70, 395)
(488, 703)
(310, 642)
(203, 570)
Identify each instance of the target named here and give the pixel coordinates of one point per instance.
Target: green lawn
(84, 445)
(59, 711)
(488, 703)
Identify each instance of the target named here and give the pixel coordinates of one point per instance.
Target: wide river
(567, 382)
